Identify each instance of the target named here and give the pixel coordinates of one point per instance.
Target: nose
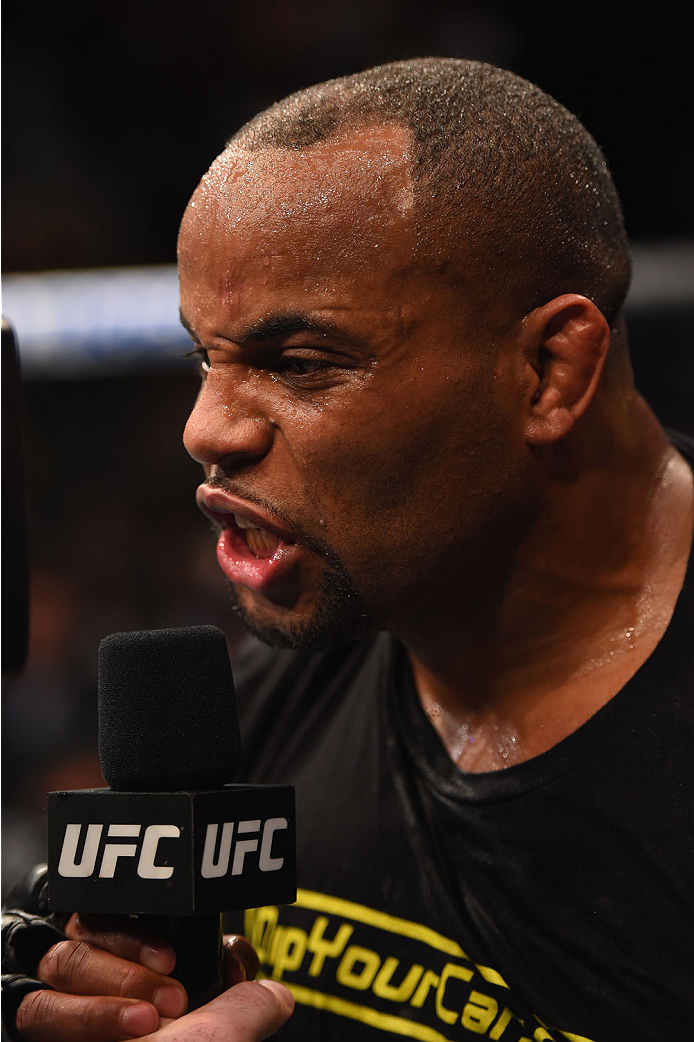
(224, 429)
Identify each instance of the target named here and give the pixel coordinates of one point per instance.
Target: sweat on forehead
(356, 170)
(499, 167)
(316, 219)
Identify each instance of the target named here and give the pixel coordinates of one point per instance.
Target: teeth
(263, 544)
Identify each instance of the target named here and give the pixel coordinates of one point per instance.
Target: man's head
(511, 192)
(373, 270)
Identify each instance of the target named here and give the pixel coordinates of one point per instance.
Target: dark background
(111, 113)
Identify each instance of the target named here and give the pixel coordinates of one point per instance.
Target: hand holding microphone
(104, 988)
(170, 842)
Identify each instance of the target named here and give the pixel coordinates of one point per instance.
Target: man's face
(359, 423)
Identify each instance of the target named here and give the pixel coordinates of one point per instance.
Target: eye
(303, 366)
(201, 354)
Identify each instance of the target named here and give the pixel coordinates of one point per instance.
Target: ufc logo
(146, 866)
(213, 867)
(217, 858)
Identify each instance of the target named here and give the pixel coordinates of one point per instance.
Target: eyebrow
(276, 326)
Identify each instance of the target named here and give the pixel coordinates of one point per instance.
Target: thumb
(248, 1012)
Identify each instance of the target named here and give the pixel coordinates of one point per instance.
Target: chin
(335, 615)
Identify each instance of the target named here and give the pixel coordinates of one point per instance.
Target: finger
(248, 1012)
(49, 1016)
(79, 969)
(125, 937)
(240, 960)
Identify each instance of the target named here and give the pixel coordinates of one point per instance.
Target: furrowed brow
(274, 327)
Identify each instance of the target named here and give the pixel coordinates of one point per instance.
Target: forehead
(356, 186)
(332, 228)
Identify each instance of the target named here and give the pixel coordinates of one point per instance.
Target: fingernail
(161, 960)
(283, 994)
(139, 1019)
(170, 1001)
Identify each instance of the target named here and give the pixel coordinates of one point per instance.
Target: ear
(566, 343)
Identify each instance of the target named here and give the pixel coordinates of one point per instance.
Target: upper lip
(218, 505)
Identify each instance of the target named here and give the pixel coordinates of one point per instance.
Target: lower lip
(243, 568)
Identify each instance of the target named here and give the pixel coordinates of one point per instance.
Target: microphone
(171, 839)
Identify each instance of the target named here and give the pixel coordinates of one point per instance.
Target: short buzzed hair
(513, 196)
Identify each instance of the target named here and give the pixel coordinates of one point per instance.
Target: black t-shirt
(550, 900)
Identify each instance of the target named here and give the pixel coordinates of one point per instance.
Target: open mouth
(259, 541)
(253, 550)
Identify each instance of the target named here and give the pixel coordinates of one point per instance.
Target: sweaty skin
(520, 524)
(384, 428)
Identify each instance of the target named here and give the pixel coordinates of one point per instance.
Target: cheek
(393, 474)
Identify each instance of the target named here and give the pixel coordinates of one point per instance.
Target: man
(437, 491)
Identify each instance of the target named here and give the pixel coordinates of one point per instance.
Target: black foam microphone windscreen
(167, 715)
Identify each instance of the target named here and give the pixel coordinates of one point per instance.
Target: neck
(584, 598)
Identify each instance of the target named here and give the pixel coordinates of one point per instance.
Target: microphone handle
(197, 941)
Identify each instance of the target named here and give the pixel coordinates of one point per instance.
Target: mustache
(317, 546)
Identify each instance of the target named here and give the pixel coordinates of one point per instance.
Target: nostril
(220, 438)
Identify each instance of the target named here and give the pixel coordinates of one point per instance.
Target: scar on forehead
(229, 290)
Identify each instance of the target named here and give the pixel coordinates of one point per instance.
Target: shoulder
(261, 672)
(282, 694)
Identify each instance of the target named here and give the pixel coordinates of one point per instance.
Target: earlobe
(566, 343)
